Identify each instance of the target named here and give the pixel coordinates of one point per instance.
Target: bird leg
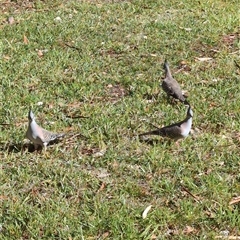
(177, 143)
(35, 146)
(45, 146)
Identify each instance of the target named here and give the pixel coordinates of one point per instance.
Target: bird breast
(186, 127)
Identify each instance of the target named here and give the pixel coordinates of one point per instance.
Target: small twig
(195, 197)
(76, 135)
(180, 70)
(234, 52)
(73, 47)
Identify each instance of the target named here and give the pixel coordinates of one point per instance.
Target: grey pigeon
(171, 86)
(38, 135)
(177, 130)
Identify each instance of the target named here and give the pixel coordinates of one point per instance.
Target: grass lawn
(94, 68)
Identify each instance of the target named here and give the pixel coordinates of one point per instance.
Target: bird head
(165, 65)
(167, 69)
(30, 116)
(189, 112)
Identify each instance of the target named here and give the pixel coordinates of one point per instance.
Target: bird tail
(154, 132)
(60, 135)
(56, 136)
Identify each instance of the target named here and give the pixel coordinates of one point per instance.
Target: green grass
(97, 186)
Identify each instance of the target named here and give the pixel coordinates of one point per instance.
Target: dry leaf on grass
(100, 153)
(234, 200)
(11, 20)
(203, 59)
(25, 39)
(189, 229)
(103, 185)
(186, 29)
(40, 53)
(105, 235)
(153, 237)
(145, 212)
(2, 197)
(228, 237)
(6, 57)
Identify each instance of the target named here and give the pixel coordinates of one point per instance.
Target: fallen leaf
(11, 20)
(100, 153)
(39, 103)
(2, 197)
(105, 235)
(186, 29)
(234, 200)
(145, 212)
(101, 187)
(25, 40)
(40, 53)
(183, 62)
(57, 19)
(115, 165)
(204, 59)
(153, 237)
(188, 229)
(103, 175)
(229, 39)
(6, 57)
(228, 237)
(210, 214)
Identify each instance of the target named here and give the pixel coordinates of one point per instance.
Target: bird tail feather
(154, 132)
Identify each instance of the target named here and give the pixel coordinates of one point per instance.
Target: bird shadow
(154, 96)
(153, 141)
(29, 147)
(24, 147)
(17, 147)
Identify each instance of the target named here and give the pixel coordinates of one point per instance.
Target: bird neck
(167, 71)
(32, 123)
(189, 120)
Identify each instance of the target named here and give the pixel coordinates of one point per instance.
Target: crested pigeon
(175, 131)
(171, 86)
(38, 135)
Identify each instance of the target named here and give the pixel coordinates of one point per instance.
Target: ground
(93, 69)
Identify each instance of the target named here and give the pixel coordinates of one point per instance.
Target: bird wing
(173, 131)
(50, 136)
(154, 132)
(171, 86)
